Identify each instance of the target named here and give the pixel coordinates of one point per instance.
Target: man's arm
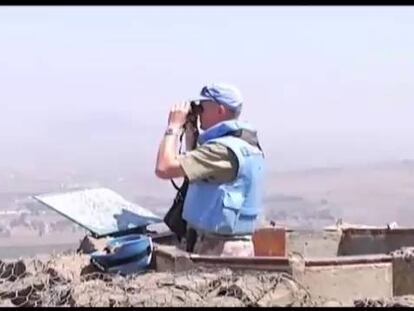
(167, 165)
(211, 162)
(167, 162)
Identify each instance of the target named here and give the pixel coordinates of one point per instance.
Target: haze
(88, 89)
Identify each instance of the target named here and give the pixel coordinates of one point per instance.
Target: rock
(331, 303)
(281, 296)
(12, 270)
(401, 301)
(90, 244)
(6, 303)
(223, 301)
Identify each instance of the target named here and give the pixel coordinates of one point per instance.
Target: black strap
(173, 218)
(175, 185)
(248, 136)
(191, 239)
(179, 151)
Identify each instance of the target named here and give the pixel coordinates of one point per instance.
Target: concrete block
(344, 283)
(374, 241)
(313, 243)
(403, 271)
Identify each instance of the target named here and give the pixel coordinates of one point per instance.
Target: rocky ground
(401, 301)
(69, 280)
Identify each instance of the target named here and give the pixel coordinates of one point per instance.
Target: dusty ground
(68, 280)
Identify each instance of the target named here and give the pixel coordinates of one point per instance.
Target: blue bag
(125, 255)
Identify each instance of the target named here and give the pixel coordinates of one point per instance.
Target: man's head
(219, 102)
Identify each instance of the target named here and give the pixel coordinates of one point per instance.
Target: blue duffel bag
(125, 255)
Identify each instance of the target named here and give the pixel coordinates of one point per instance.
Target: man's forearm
(167, 165)
(167, 151)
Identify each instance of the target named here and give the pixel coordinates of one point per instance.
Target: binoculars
(196, 107)
(195, 110)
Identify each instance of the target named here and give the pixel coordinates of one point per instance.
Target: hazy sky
(323, 85)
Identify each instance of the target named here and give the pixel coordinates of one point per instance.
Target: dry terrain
(370, 194)
(49, 273)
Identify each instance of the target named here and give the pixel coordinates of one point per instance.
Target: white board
(99, 210)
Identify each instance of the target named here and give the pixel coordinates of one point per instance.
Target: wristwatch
(172, 131)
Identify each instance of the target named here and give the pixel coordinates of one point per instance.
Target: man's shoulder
(214, 146)
(217, 150)
(210, 161)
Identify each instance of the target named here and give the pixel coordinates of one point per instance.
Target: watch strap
(172, 131)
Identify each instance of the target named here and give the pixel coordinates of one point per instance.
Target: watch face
(171, 131)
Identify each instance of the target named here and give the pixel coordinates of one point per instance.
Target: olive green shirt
(212, 162)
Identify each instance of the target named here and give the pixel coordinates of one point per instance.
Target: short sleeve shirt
(211, 162)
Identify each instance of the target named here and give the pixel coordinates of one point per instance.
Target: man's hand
(167, 165)
(178, 115)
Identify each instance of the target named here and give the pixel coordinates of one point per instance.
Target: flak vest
(228, 208)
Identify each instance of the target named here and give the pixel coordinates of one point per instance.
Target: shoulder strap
(247, 136)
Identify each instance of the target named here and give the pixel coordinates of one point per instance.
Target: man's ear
(221, 109)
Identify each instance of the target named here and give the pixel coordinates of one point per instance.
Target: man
(225, 172)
